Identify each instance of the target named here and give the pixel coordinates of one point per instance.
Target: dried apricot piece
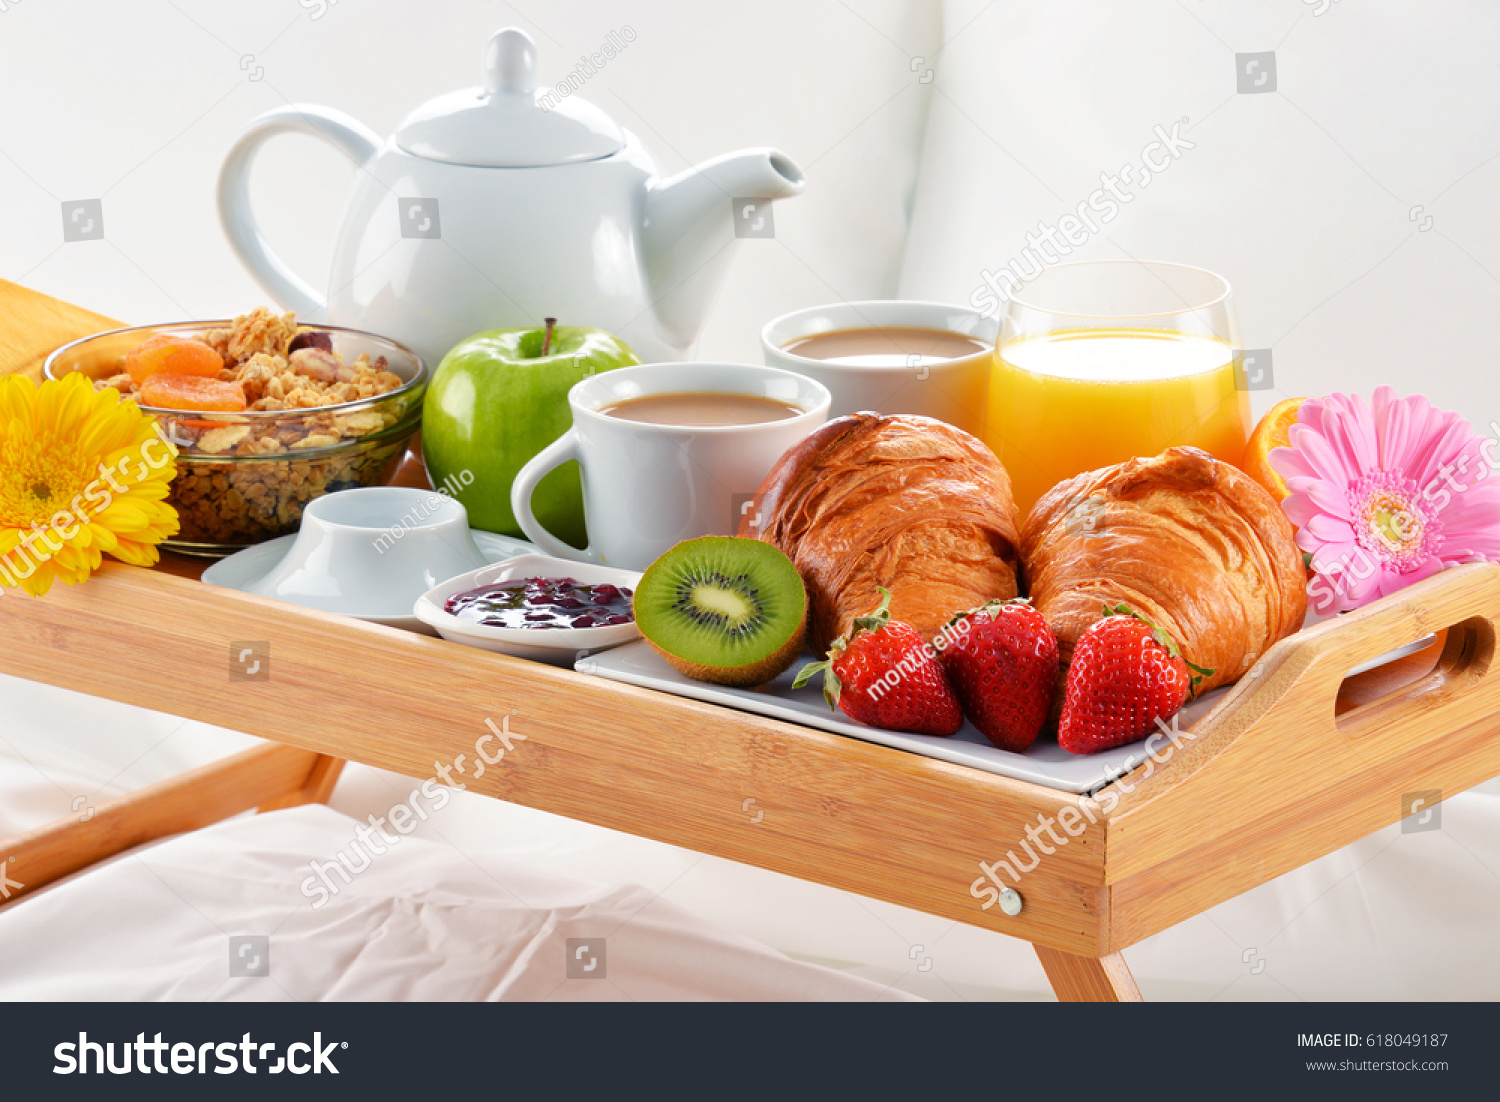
(170, 354)
(144, 358)
(168, 390)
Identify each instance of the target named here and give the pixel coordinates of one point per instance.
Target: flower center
(37, 478)
(1393, 521)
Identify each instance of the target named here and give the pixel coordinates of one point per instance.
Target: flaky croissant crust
(905, 502)
(1187, 541)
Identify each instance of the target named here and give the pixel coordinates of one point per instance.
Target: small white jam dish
(557, 645)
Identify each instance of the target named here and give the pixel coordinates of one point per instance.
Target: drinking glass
(1099, 361)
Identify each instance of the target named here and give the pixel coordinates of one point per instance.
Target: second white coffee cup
(952, 390)
(647, 486)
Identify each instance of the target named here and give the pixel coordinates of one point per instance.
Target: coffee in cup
(703, 408)
(889, 346)
(669, 452)
(891, 357)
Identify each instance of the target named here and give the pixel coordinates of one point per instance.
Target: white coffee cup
(950, 390)
(648, 486)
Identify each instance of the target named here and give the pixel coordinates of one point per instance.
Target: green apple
(498, 399)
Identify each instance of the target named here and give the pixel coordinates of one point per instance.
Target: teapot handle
(357, 141)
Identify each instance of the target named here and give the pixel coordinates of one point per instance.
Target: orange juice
(1075, 400)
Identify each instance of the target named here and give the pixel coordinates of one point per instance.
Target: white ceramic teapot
(499, 206)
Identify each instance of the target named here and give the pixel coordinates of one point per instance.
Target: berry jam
(543, 603)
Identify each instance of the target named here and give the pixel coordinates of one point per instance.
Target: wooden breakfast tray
(1292, 764)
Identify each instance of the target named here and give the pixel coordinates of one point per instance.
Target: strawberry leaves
(832, 686)
(870, 621)
(1199, 672)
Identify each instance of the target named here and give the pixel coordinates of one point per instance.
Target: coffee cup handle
(554, 455)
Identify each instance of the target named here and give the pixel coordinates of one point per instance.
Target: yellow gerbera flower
(81, 473)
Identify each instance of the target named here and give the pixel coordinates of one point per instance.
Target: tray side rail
(1288, 767)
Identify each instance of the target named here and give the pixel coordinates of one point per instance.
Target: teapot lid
(507, 123)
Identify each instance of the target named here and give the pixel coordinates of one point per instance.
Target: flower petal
(1299, 509)
(1436, 458)
(1394, 433)
(1359, 590)
(1325, 462)
(1329, 529)
(1299, 485)
(1471, 511)
(1331, 500)
(1349, 426)
(1333, 558)
(1288, 464)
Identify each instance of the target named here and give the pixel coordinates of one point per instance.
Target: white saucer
(244, 569)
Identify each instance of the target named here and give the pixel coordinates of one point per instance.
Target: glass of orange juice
(1099, 361)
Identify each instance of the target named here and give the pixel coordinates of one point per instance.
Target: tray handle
(1464, 600)
(1276, 717)
(1275, 749)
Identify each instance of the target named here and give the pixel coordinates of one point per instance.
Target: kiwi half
(723, 609)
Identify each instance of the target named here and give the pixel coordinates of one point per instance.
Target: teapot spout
(689, 219)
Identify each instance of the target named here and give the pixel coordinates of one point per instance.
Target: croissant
(907, 503)
(1185, 540)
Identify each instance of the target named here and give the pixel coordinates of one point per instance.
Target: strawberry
(1003, 666)
(1126, 674)
(884, 674)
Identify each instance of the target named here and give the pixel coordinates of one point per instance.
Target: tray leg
(1088, 979)
(316, 789)
(265, 776)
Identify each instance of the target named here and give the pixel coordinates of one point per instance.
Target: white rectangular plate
(1044, 763)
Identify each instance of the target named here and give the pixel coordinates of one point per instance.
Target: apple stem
(547, 341)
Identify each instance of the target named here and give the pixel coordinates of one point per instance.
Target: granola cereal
(245, 478)
(258, 354)
(241, 503)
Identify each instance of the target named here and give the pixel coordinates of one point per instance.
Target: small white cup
(373, 550)
(647, 486)
(949, 390)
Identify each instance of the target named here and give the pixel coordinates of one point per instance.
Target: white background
(138, 103)
(1305, 198)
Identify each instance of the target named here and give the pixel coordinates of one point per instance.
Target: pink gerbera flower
(1386, 494)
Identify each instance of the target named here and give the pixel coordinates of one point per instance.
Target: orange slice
(172, 355)
(166, 390)
(1271, 433)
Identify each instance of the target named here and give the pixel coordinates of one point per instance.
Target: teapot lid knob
(508, 123)
(510, 62)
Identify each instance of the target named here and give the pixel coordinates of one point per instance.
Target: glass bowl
(244, 478)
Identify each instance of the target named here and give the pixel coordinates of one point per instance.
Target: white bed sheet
(419, 921)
